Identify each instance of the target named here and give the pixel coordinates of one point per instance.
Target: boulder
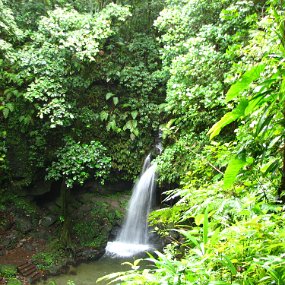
(24, 225)
(89, 254)
(114, 232)
(47, 221)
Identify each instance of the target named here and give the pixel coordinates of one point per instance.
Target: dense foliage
(224, 146)
(88, 75)
(85, 86)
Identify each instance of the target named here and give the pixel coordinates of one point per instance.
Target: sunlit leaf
(232, 171)
(5, 112)
(134, 114)
(244, 82)
(115, 100)
(228, 118)
(109, 95)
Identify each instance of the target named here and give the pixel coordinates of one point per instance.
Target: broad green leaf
(270, 166)
(274, 141)
(109, 95)
(136, 132)
(249, 160)
(128, 125)
(6, 112)
(134, 123)
(104, 116)
(10, 106)
(115, 100)
(263, 122)
(228, 118)
(252, 104)
(232, 171)
(111, 126)
(244, 82)
(134, 114)
(170, 123)
(199, 219)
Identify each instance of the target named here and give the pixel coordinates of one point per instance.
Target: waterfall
(134, 236)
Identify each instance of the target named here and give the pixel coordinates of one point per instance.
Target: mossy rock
(8, 271)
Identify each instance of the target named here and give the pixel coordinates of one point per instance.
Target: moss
(94, 229)
(8, 271)
(54, 255)
(90, 234)
(8, 198)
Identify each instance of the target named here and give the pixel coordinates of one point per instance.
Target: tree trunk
(65, 234)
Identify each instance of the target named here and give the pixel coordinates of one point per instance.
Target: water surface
(88, 273)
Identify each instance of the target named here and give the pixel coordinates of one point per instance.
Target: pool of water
(88, 273)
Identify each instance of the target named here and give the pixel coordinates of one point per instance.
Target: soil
(22, 252)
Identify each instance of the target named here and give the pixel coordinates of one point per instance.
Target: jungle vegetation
(86, 85)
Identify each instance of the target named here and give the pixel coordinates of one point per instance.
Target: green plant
(14, 281)
(94, 230)
(76, 161)
(44, 260)
(54, 255)
(8, 271)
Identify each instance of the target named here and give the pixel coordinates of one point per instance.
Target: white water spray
(134, 236)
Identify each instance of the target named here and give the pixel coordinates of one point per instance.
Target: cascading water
(134, 236)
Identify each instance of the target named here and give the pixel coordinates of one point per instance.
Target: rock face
(10, 239)
(114, 232)
(89, 254)
(6, 221)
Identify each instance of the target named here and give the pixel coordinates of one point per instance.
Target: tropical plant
(226, 223)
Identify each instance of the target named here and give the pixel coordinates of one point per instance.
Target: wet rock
(47, 221)
(114, 232)
(89, 254)
(61, 267)
(24, 225)
(56, 269)
(154, 238)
